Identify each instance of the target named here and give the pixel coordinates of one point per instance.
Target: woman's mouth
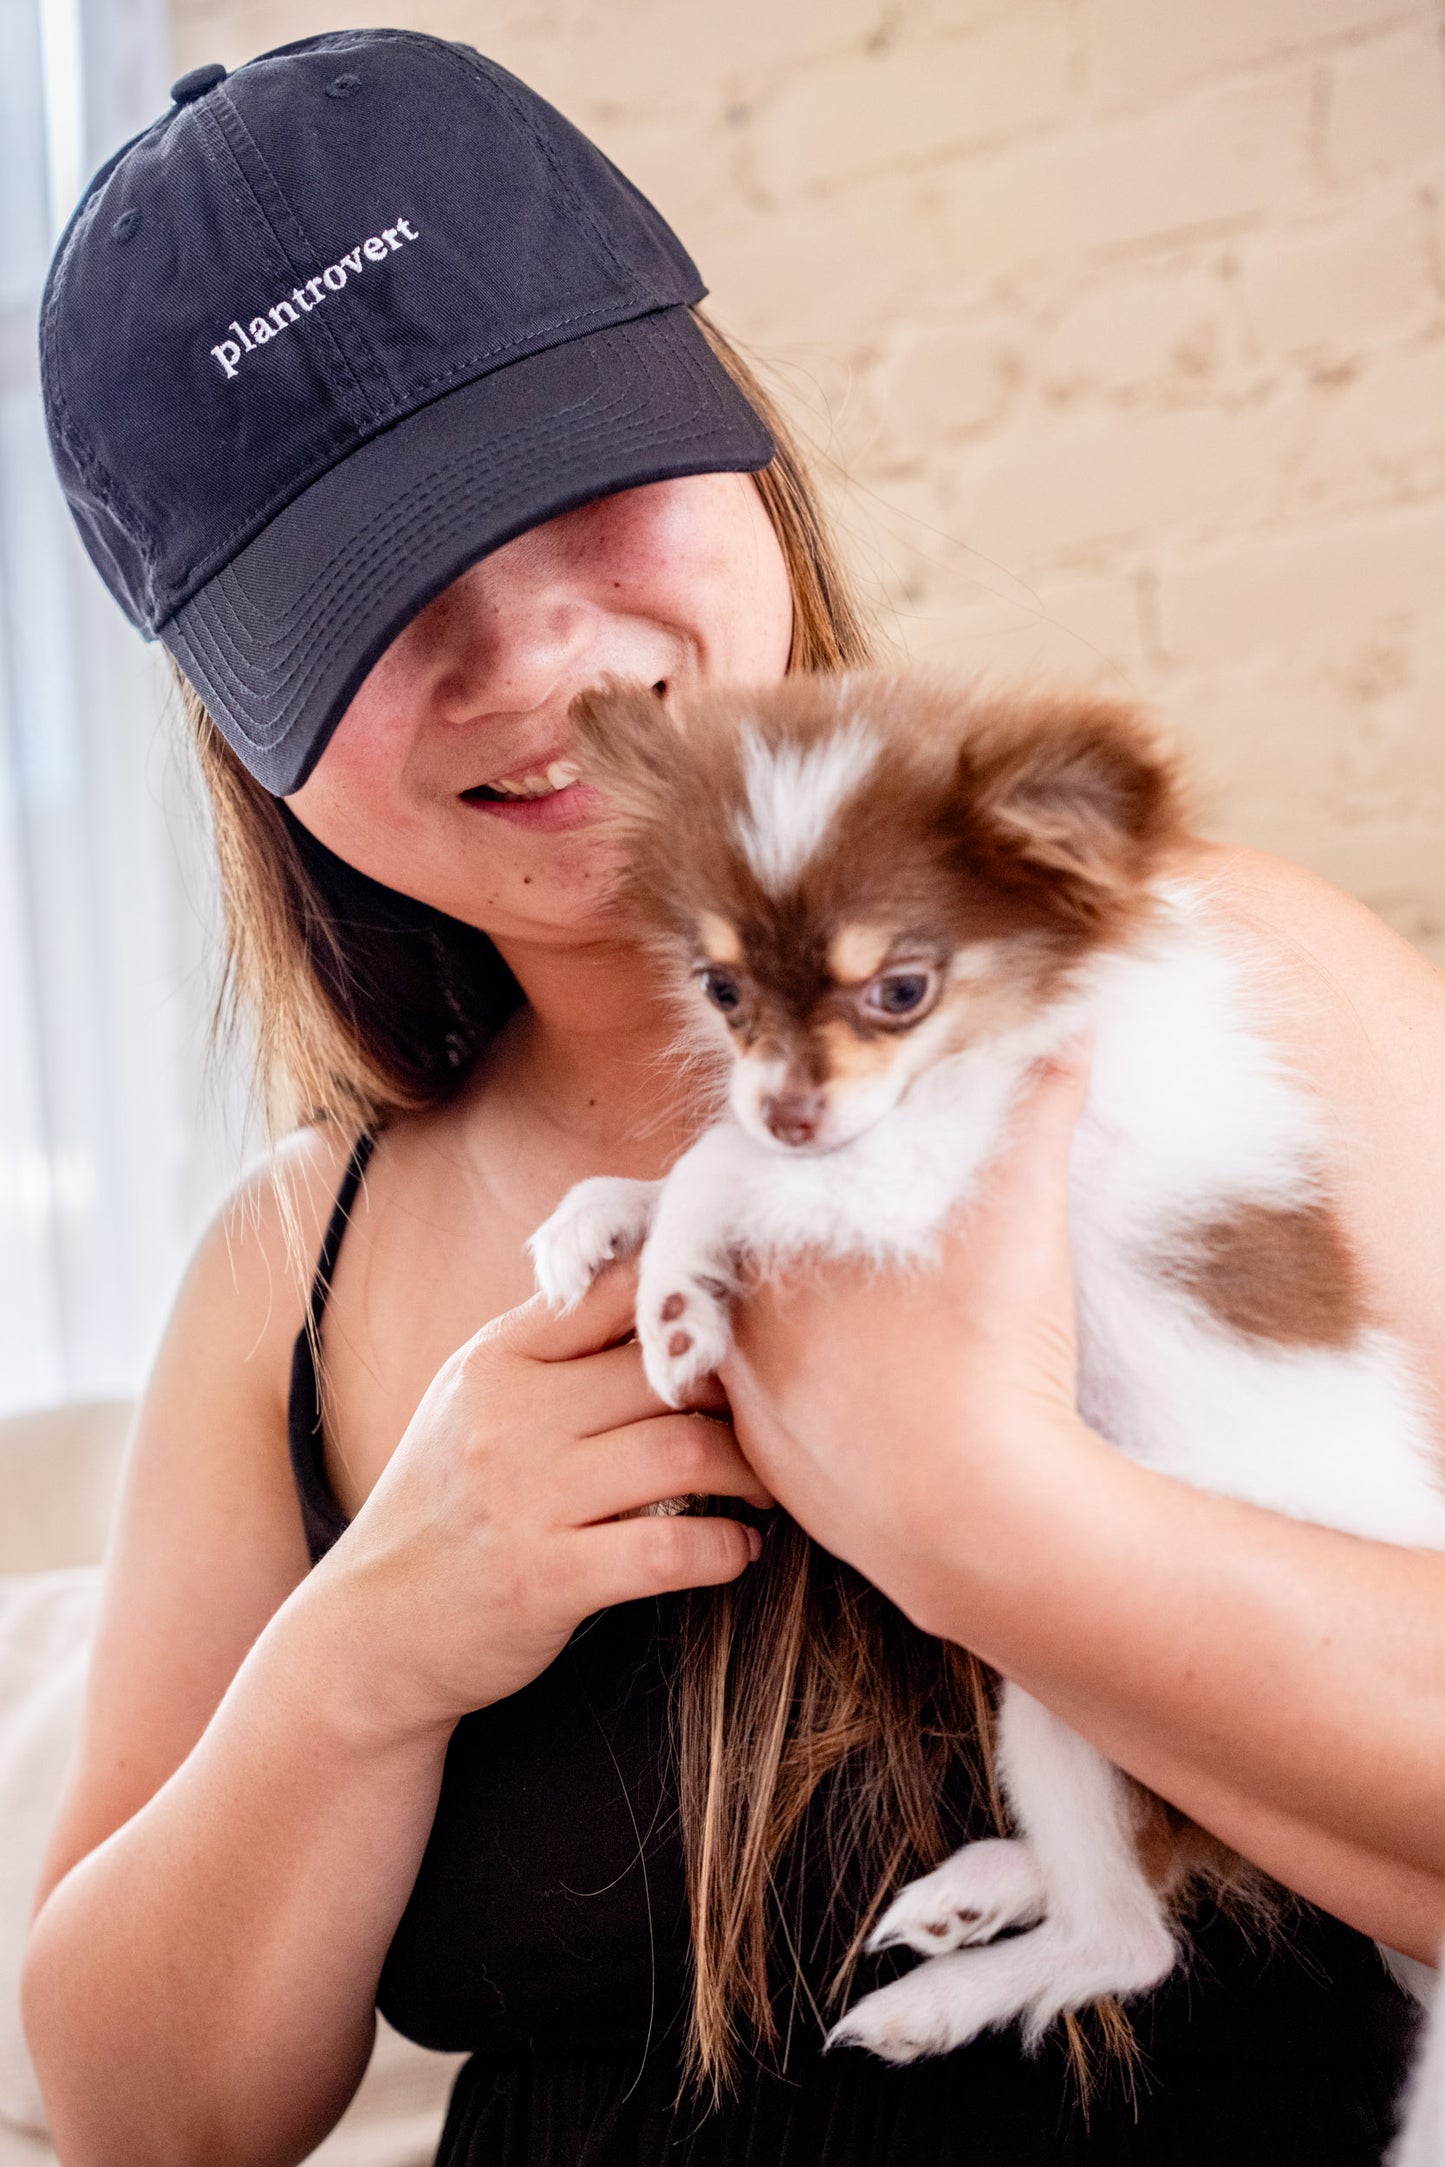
(550, 797)
(558, 775)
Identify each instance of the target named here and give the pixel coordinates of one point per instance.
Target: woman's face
(674, 584)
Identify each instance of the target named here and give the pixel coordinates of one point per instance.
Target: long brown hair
(814, 1726)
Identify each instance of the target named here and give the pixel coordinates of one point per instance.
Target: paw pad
(672, 1309)
(678, 1344)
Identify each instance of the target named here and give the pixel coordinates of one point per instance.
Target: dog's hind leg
(1103, 1932)
(1078, 1813)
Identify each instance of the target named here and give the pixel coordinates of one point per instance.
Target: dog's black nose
(793, 1116)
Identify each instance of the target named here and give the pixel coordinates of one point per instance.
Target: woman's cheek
(351, 804)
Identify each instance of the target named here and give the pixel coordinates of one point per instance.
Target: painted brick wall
(1126, 322)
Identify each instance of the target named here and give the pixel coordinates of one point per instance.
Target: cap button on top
(197, 82)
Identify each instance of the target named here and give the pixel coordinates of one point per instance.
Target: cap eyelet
(125, 225)
(344, 86)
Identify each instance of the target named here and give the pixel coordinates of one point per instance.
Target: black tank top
(547, 1936)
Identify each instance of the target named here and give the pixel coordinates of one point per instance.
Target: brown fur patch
(1172, 1849)
(1275, 1272)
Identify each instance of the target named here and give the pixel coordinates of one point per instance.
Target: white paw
(596, 1221)
(969, 1898)
(684, 1321)
(901, 2022)
(1028, 1979)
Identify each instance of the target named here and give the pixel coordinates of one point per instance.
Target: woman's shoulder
(253, 1266)
(244, 1294)
(1289, 905)
(1361, 1007)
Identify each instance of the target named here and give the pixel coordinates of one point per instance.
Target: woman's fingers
(604, 1391)
(1020, 1212)
(604, 1315)
(672, 1455)
(589, 1351)
(658, 1555)
(1030, 1174)
(1009, 1263)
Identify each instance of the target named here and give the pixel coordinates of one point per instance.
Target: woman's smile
(565, 805)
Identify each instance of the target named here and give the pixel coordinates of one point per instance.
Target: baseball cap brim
(278, 642)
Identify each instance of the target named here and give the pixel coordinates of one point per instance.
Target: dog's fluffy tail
(1421, 2142)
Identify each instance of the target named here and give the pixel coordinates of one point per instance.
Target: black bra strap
(361, 1151)
(322, 1519)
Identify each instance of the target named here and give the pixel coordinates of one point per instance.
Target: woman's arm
(1282, 1683)
(263, 1746)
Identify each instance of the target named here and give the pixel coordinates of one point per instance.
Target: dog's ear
(1075, 799)
(628, 745)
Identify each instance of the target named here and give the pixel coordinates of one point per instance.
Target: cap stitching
(524, 120)
(562, 323)
(388, 536)
(370, 411)
(214, 669)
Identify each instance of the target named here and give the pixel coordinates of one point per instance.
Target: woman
(435, 1768)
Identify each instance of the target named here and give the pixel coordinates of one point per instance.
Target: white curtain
(113, 1149)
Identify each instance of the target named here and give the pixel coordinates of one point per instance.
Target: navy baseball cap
(336, 325)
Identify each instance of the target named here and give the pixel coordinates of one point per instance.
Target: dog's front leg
(689, 1272)
(596, 1221)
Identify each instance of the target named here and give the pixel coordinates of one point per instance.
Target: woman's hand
(972, 1363)
(495, 1530)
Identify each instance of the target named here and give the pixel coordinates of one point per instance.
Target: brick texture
(1126, 322)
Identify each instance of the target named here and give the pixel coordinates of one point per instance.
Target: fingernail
(755, 1544)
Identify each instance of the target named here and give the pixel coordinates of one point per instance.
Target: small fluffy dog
(886, 900)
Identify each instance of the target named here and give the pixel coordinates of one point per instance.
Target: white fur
(1190, 1113)
(1421, 2143)
(596, 1221)
(794, 796)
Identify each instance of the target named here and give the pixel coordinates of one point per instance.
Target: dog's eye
(899, 993)
(723, 990)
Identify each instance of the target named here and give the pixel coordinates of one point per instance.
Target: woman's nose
(496, 643)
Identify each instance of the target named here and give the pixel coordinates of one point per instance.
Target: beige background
(1126, 318)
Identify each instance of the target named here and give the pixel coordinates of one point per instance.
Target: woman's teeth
(559, 776)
